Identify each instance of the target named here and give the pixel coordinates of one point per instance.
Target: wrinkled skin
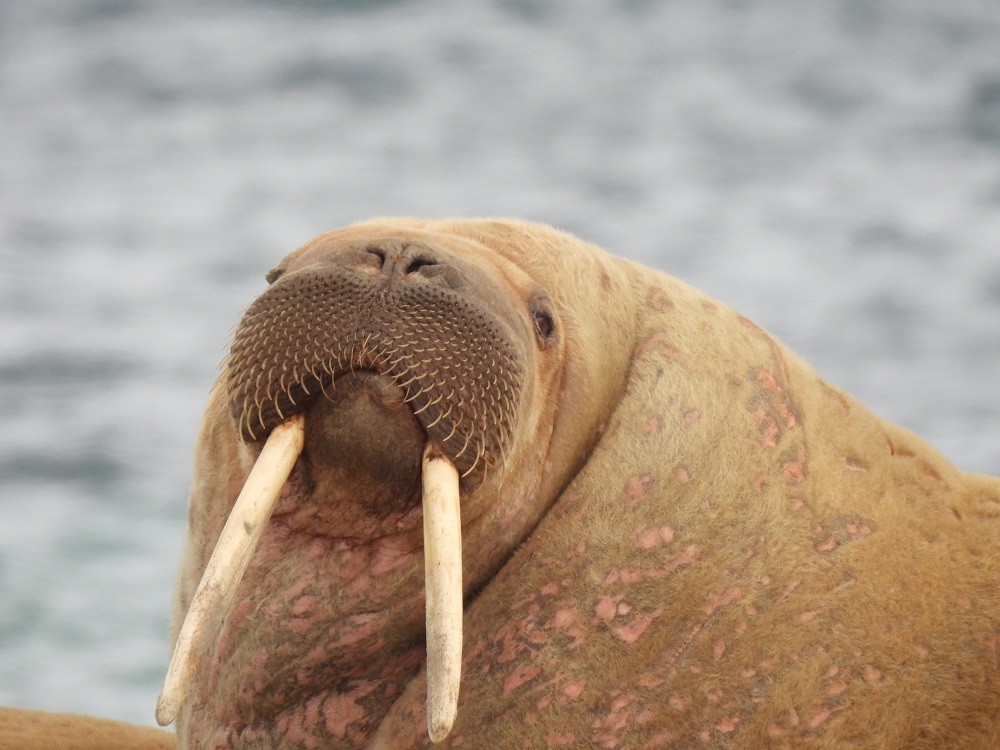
(674, 533)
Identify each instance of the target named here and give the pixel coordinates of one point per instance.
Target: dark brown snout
(440, 330)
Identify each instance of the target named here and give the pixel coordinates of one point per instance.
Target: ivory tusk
(229, 560)
(443, 584)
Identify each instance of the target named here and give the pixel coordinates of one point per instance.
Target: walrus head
(408, 324)
(395, 370)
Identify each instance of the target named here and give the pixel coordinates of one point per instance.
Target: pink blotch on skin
(649, 538)
(794, 472)
(522, 673)
(724, 599)
(682, 474)
(606, 608)
(661, 303)
(819, 717)
(359, 628)
(619, 703)
(767, 380)
(625, 575)
(303, 606)
(633, 631)
(677, 703)
(790, 587)
(728, 724)
(771, 434)
(691, 416)
(837, 688)
(656, 536)
(872, 674)
(827, 545)
(651, 681)
(652, 425)
(691, 553)
(340, 711)
(562, 619)
(638, 487)
(573, 689)
(651, 343)
(921, 650)
(719, 649)
(808, 615)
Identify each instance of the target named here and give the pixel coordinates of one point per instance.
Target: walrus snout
(403, 310)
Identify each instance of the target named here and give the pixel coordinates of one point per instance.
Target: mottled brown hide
(688, 540)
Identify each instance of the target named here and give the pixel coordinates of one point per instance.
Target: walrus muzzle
(397, 323)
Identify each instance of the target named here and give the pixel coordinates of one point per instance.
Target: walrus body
(687, 539)
(23, 729)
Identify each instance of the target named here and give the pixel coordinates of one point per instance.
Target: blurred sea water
(830, 169)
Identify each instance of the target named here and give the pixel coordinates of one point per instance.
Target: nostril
(417, 263)
(378, 253)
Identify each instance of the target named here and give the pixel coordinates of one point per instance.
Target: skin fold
(674, 533)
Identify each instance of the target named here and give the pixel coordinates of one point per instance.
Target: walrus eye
(545, 326)
(274, 274)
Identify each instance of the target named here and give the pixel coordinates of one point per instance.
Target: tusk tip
(439, 726)
(166, 709)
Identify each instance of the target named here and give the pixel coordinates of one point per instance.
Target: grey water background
(831, 169)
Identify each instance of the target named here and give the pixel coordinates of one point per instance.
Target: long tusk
(229, 560)
(443, 582)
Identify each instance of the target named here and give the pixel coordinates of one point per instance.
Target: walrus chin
(241, 534)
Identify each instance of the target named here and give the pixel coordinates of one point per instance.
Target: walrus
(665, 529)
(25, 729)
